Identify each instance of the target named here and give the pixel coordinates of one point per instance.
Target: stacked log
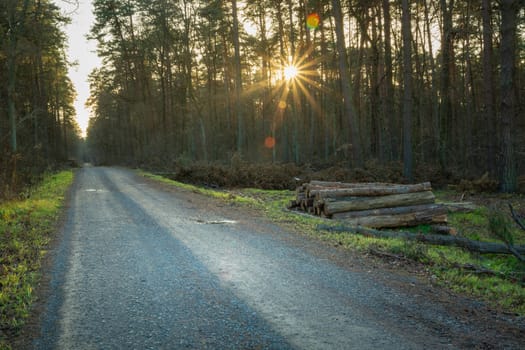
(376, 205)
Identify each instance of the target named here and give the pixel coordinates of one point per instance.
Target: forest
(38, 129)
(422, 86)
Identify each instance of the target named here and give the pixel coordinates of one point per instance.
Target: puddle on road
(95, 190)
(215, 222)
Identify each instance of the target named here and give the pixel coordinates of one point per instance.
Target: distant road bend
(144, 266)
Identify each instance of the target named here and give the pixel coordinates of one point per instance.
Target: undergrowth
(497, 279)
(25, 231)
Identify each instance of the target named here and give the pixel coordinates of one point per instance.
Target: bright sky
(81, 51)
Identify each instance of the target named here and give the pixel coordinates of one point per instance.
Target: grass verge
(497, 279)
(26, 228)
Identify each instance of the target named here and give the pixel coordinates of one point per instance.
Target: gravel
(144, 266)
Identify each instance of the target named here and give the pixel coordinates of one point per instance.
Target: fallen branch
(387, 255)
(471, 245)
(473, 269)
(516, 217)
(478, 270)
(459, 207)
(516, 253)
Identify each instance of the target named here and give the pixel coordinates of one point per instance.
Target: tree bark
(488, 87)
(11, 84)
(446, 99)
(509, 13)
(372, 190)
(437, 209)
(388, 98)
(407, 92)
(411, 218)
(335, 184)
(344, 73)
(332, 206)
(433, 81)
(238, 79)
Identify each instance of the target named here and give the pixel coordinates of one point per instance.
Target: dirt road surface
(141, 265)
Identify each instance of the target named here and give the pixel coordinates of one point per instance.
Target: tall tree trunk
(388, 98)
(344, 73)
(64, 134)
(283, 140)
(509, 14)
(15, 19)
(446, 103)
(377, 118)
(11, 84)
(434, 84)
(407, 91)
(190, 117)
(165, 72)
(292, 87)
(488, 88)
(327, 116)
(469, 99)
(16, 28)
(266, 69)
(238, 79)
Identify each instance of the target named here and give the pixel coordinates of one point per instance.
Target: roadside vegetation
(26, 229)
(496, 279)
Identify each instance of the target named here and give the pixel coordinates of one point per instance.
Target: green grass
(26, 228)
(201, 190)
(496, 279)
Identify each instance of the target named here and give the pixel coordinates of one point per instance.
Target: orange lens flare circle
(269, 142)
(313, 20)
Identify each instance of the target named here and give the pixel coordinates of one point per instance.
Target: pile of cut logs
(376, 205)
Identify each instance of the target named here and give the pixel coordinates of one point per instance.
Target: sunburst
(298, 78)
(290, 72)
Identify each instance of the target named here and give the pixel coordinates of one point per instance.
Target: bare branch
(516, 217)
(472, 245)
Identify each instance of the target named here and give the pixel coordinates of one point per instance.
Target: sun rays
(290, 72)
(299, 80)
(291, 85)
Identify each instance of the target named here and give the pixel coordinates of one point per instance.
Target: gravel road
(144, 266)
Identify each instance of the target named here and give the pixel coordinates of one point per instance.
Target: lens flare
(269, 142)
(313, 20)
